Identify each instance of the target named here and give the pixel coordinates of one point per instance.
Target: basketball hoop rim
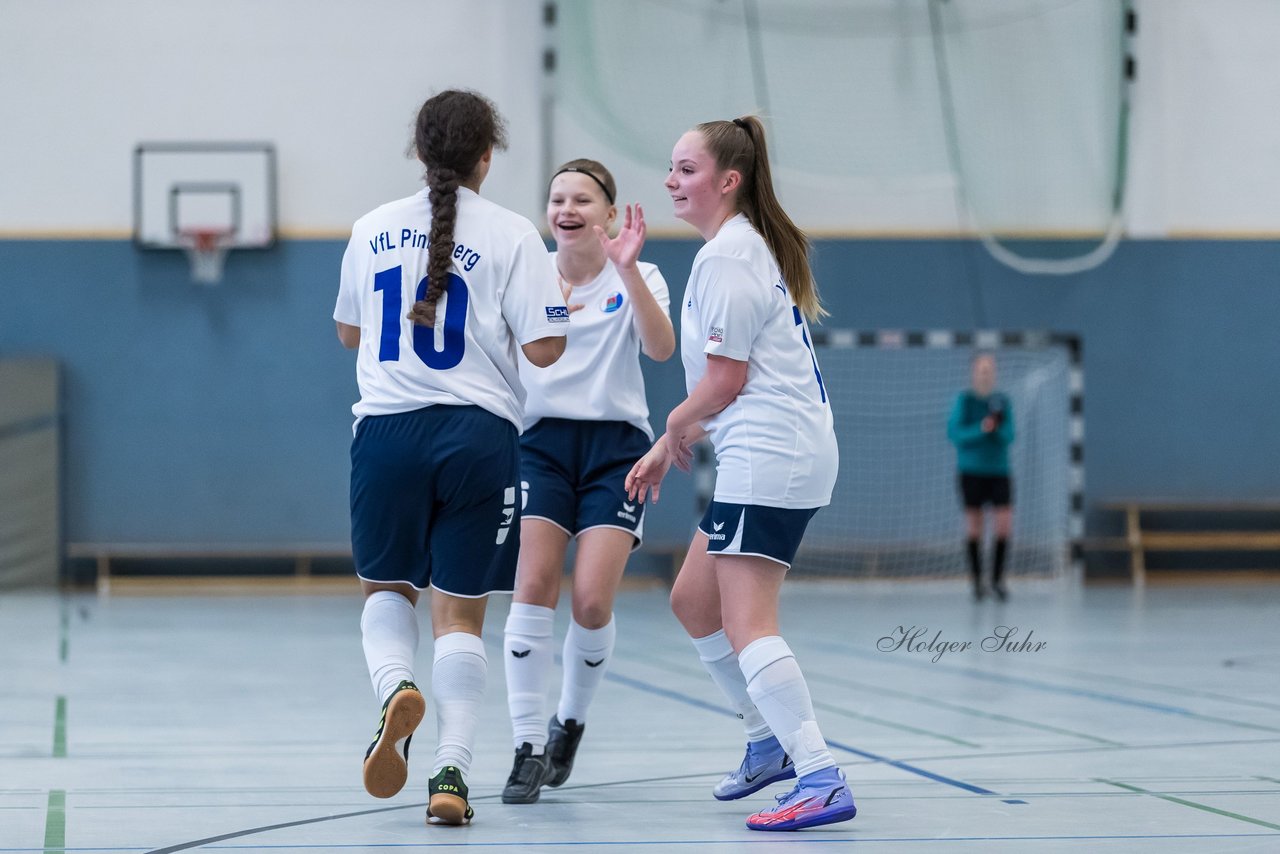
(206, 239)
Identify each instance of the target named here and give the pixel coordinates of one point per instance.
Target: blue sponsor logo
(611, 303)
(557, 314)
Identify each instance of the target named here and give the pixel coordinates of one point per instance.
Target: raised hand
(624, 249)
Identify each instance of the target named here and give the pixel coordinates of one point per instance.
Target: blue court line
(1157, 686)
(797, 839)
(999, 677)
(208, 842)
(672, 667)
(235, 834)
(1043, 686)
(702, 704)
(774, 839)
(936, 703)
(1062, 751)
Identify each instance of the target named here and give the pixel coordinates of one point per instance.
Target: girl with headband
(586, 422)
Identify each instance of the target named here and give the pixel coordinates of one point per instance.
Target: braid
(453, 131)
(442, 183)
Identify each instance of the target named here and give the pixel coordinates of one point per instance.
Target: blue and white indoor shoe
(765, 763)
(822, 797)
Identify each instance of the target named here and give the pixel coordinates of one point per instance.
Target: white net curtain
(881, 112)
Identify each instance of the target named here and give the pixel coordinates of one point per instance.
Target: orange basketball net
(206, 248)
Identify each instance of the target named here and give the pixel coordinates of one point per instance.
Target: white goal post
(896, 512)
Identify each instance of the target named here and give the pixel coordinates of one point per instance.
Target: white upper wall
(1206, 153)
(336, 85)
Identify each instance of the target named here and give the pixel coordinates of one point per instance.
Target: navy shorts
(979, 489)
(573, 473)
(753, 530)
(433, 500)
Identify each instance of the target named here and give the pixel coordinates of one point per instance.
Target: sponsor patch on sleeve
(557, 314)
(716, 335)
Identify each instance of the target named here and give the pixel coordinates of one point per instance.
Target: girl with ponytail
(755, 389)
(437, 290)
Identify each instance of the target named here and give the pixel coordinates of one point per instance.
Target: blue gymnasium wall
(222, 414)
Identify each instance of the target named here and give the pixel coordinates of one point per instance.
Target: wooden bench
(1138, 539)
(301, 554)
(670, 555)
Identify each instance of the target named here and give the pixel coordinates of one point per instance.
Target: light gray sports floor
(238, 723)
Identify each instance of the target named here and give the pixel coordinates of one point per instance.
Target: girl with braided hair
(437, 292)
(756, 391)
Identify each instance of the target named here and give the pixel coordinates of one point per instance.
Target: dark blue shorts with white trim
(751, 529)
(573, 474)
(435, 500)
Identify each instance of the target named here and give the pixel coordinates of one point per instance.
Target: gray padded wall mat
(30, 530)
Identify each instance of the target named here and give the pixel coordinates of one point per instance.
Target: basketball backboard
(186, 188)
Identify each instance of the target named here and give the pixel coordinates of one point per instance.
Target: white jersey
(501, 294)
(598, 378)
(775, 443)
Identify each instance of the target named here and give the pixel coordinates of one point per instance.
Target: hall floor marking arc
(177, 693)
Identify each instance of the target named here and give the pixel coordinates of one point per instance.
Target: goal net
(896, 510)
(1005, 118)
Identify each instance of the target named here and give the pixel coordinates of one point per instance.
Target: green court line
(931, 701)
(1192, 804)
(1158, 686)
(55, 823)
(1047, 686)
(60, 729)
(967, 710)
(1067, 751)
(827, 707)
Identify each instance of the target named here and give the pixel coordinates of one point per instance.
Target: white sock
(718, 657)
(777, 686)
(457, 684)
(586, 658)
(389, 631)
(527, 655)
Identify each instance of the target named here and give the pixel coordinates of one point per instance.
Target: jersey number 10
(424, 337)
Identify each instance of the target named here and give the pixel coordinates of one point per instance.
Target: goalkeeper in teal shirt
(981, 428)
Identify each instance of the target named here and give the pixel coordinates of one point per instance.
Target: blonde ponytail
(740, 145)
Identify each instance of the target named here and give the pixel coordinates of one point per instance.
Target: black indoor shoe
(562, 747)
(528, 773)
